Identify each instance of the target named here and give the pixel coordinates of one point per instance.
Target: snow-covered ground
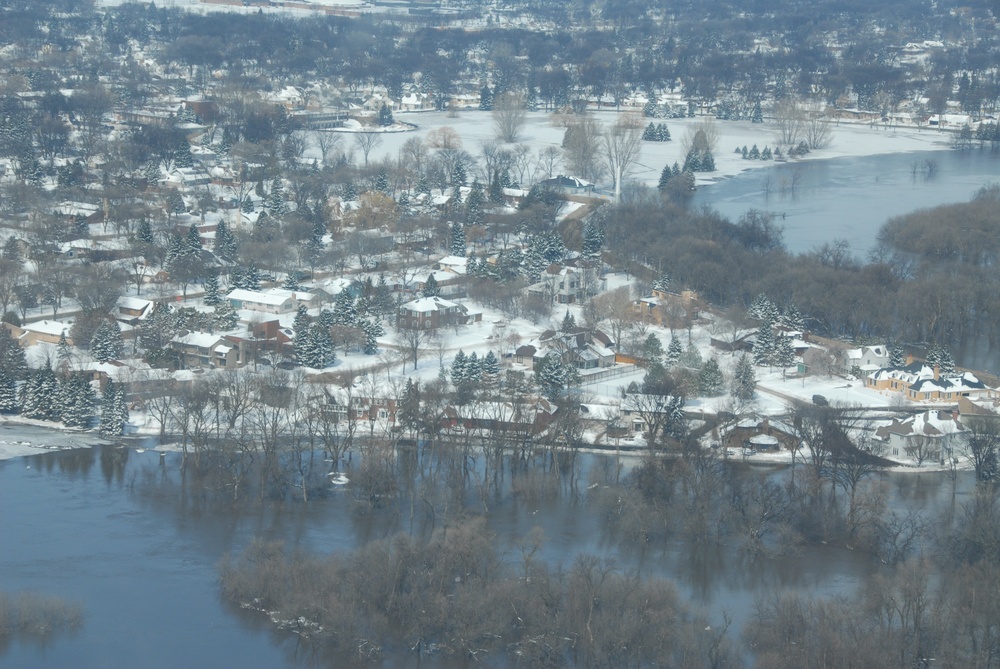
(542, 130)
(21, 436)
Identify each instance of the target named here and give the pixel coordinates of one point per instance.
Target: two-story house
(429, 313)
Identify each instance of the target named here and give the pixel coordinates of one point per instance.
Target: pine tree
(276, 205)
(691, 357)
(373, 330)
(760, 308)
(485, 99)
(710, 379)
(114, 410)
(473, 368)
(474, 204)
(662, 284)
(707, 162)
(457, 239)
(248, 279)
(946, 363)
(766, 153)
(382, 181)
(784, 354)
(431, 288)
(458, 368)
(754, 153)
(674, 352)
(144, 232)
(568, 322)
(408, 411)
(63, 352)
(225, 242)
(458, 175)
(649, 134)
(763, 345)
(593, 240)
(224, 317)
(652, 348)
(291, 281)
(212, 297)
(76, 402)
(896, 356)
(552, 375)
(665, 176)
(744, 379)
(757, 115)
(8, 392)
(107, 342)
(321, 347)
(192, 240)
(385, 116)
(692, 161)
(490, 370)
(792, 319)
(345, 311)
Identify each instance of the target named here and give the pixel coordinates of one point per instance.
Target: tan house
(47, 332)
(205, 350)
(919, 382)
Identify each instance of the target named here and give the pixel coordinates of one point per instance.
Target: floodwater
(818, 201)
(118, 532)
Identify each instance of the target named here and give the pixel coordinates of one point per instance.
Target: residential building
(272, 301)
(429, 313)
(931, 435)
(919, 382)
(206, 350)
(38, 332)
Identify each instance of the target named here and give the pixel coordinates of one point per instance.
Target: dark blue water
(850, 198)
(121, 534)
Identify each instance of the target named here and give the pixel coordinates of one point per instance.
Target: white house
(273, 301)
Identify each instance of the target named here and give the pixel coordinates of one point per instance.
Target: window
(382, 413)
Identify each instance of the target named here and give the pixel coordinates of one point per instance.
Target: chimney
(937, 372)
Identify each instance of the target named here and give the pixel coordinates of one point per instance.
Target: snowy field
(20, 437)
(542, 130)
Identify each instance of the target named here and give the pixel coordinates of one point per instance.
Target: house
(272, 301)
(39, 332)
(429, 313)
(131, 310)
(919, 382)
(205, 350)
(642, 412)
(567, 185)
(668, 309)
(565, 284)
(761, 434)
(582, 348)
(519, 419)
(931, 435)
(866, 358)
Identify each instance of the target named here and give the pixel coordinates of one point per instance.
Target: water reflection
(138, 543)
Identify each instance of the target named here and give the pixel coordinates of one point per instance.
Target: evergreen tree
(431, 288)
(39, 395)
(792, 319)
(276, 204)
(593, 240)
(691, 357)
(408, 411)
(291, 281)
(485, 99)
(946, 363)
(224, 317)
(707, 162)
(225, 242)
(474, 204)
(674, 352)
(665, 176)
(175, 203)
(754, 153)
(490, 370)
(345, 310)
(373, 330)
(766, 153)
(757, 115)
(423, 186)
(251, 278)
(896, 356)
(8, 392)
(761, 308)
(301, 323)
(144, 232)
(473, 368)
(568, 322)
(114, 410)
(764, 345)
(212, 297)
(63, 352)
(457, 239)
(385, 116)
(744, 379)
(382, 181)
(458, 175)
(662, 284)
(710, 379)
(692, 161)
(652, 348)
(554, 377)
(662, 133)
(784, 354)
(192, 240)
(458, 368)
(107, 342)
(321, 347)
(76, 401)
(649, 134)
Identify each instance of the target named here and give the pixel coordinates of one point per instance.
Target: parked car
(749, 451)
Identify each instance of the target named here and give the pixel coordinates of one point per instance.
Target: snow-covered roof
(47, 327)
(198, 339)
(271, 297)
(427, 304)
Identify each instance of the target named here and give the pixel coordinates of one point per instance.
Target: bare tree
(366, 140)
(508, 116)
(582, 148)
(621, 143)
(703, 136)
(549, 159)
(817, 132)
(412, 340)
(787, 123)
(329, 143)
